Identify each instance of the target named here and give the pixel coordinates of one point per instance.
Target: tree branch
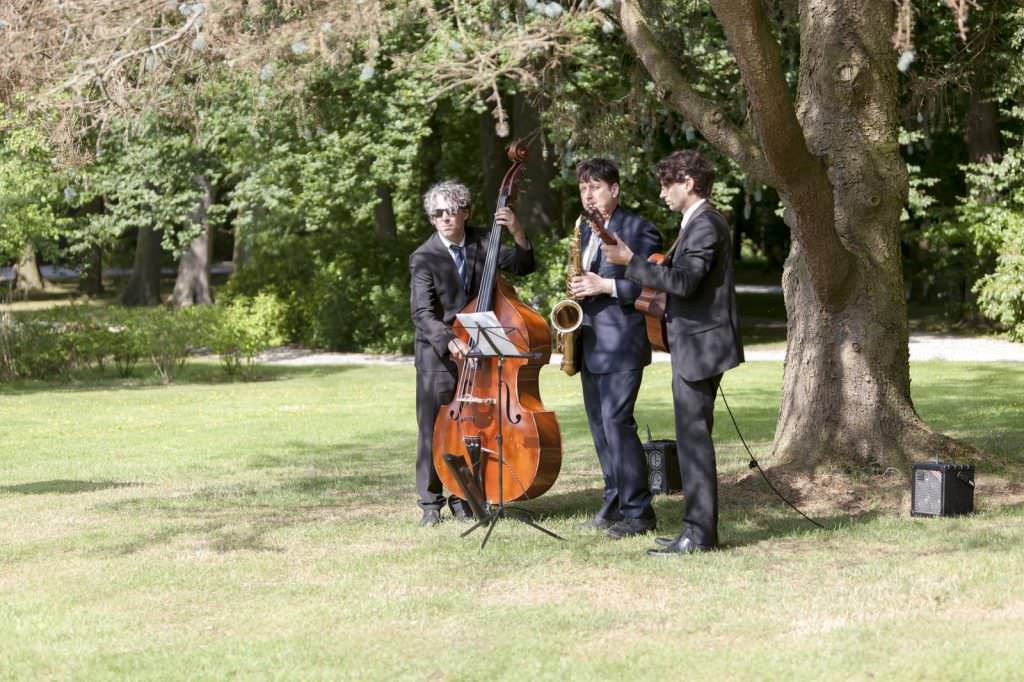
(704, 114)
(801, 179)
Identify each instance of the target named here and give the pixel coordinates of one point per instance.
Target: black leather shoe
(431, 517)
(597, 523)
(630, 527)
(664, 542)
(682, 545)
(462, 514)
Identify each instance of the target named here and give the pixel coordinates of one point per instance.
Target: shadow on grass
(229, 518)
(145, 377)
(744, 521)
(62, 487)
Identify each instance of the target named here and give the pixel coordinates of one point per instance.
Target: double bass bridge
(477, 401)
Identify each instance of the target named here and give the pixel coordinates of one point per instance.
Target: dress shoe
(463, 514)
(630, 527)
(598, 523)
(431, 517)
(681, 545)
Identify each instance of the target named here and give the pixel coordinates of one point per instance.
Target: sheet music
(487, 321)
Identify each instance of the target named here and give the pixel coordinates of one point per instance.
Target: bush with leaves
(244, 328)
(170, 335)
(993, 214)
(35, 347)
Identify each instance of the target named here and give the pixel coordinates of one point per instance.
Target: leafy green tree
(30, 191)
(992, 213)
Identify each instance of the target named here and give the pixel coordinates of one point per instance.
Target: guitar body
(652, 303)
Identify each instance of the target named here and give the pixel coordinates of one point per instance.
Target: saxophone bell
(566, 316)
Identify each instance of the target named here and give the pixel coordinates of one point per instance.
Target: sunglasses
(443, 212)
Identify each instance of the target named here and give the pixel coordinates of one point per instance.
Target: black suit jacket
(613, 334)
(437, 292)
(703, 324)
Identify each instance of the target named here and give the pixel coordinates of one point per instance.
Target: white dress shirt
(688, 213)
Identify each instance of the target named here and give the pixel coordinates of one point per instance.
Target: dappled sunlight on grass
(271, 525)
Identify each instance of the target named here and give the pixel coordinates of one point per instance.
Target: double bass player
(446, 273)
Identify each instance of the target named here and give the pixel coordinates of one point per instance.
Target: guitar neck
(597, 225)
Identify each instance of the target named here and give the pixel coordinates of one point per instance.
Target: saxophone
(567, 315)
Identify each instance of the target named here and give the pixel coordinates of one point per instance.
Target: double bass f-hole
(508, 407)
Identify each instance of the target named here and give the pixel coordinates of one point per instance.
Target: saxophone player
(613, 352)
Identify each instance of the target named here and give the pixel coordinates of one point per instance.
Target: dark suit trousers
(695, 417)
(609, 400)
(433, 389)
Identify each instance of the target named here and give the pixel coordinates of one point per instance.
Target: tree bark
(539, 208)
(982, 135)
(384, 215)
(143, 286)
(27, 276)
(834, 158)
(192, 286)
(91, 281)
(493, 159)
(846, 390)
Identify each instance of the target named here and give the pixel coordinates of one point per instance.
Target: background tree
(30, 194)
(829, 145)
(348, 110)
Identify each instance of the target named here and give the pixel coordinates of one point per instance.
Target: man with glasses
(703, 334)
(446, 271)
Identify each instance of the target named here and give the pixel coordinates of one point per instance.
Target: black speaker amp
(942, 489)
(662, 466)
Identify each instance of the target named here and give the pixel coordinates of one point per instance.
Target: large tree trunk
(846, 388)
(982, 128)
(493, 160)
(91, 281)
(192, 286)
(384, 222)
(541, 208)
(27, 276)
(143, 286)
(834, 158)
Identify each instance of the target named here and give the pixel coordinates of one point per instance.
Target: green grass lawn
(212, 529)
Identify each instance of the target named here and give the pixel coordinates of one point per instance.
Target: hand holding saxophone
(590, 284)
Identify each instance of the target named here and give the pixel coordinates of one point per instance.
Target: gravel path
(922, 347)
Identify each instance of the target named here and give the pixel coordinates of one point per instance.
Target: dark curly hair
(687, 163)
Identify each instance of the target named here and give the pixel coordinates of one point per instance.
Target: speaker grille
(928, 492)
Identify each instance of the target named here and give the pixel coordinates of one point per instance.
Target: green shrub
(34, 349)
(169, 336)
(246, 327)
(123, 338)
(993, 215)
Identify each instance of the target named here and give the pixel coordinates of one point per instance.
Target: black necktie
(460, 263)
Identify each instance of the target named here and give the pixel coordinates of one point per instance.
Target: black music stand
(497, 344)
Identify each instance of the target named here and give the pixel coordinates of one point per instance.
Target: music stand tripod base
(496, 339)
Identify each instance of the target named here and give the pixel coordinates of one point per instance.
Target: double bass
(468, 432)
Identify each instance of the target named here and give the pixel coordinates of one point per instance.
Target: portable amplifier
(942, 489)
(662, 466)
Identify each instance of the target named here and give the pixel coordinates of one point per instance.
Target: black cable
(754, 465)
